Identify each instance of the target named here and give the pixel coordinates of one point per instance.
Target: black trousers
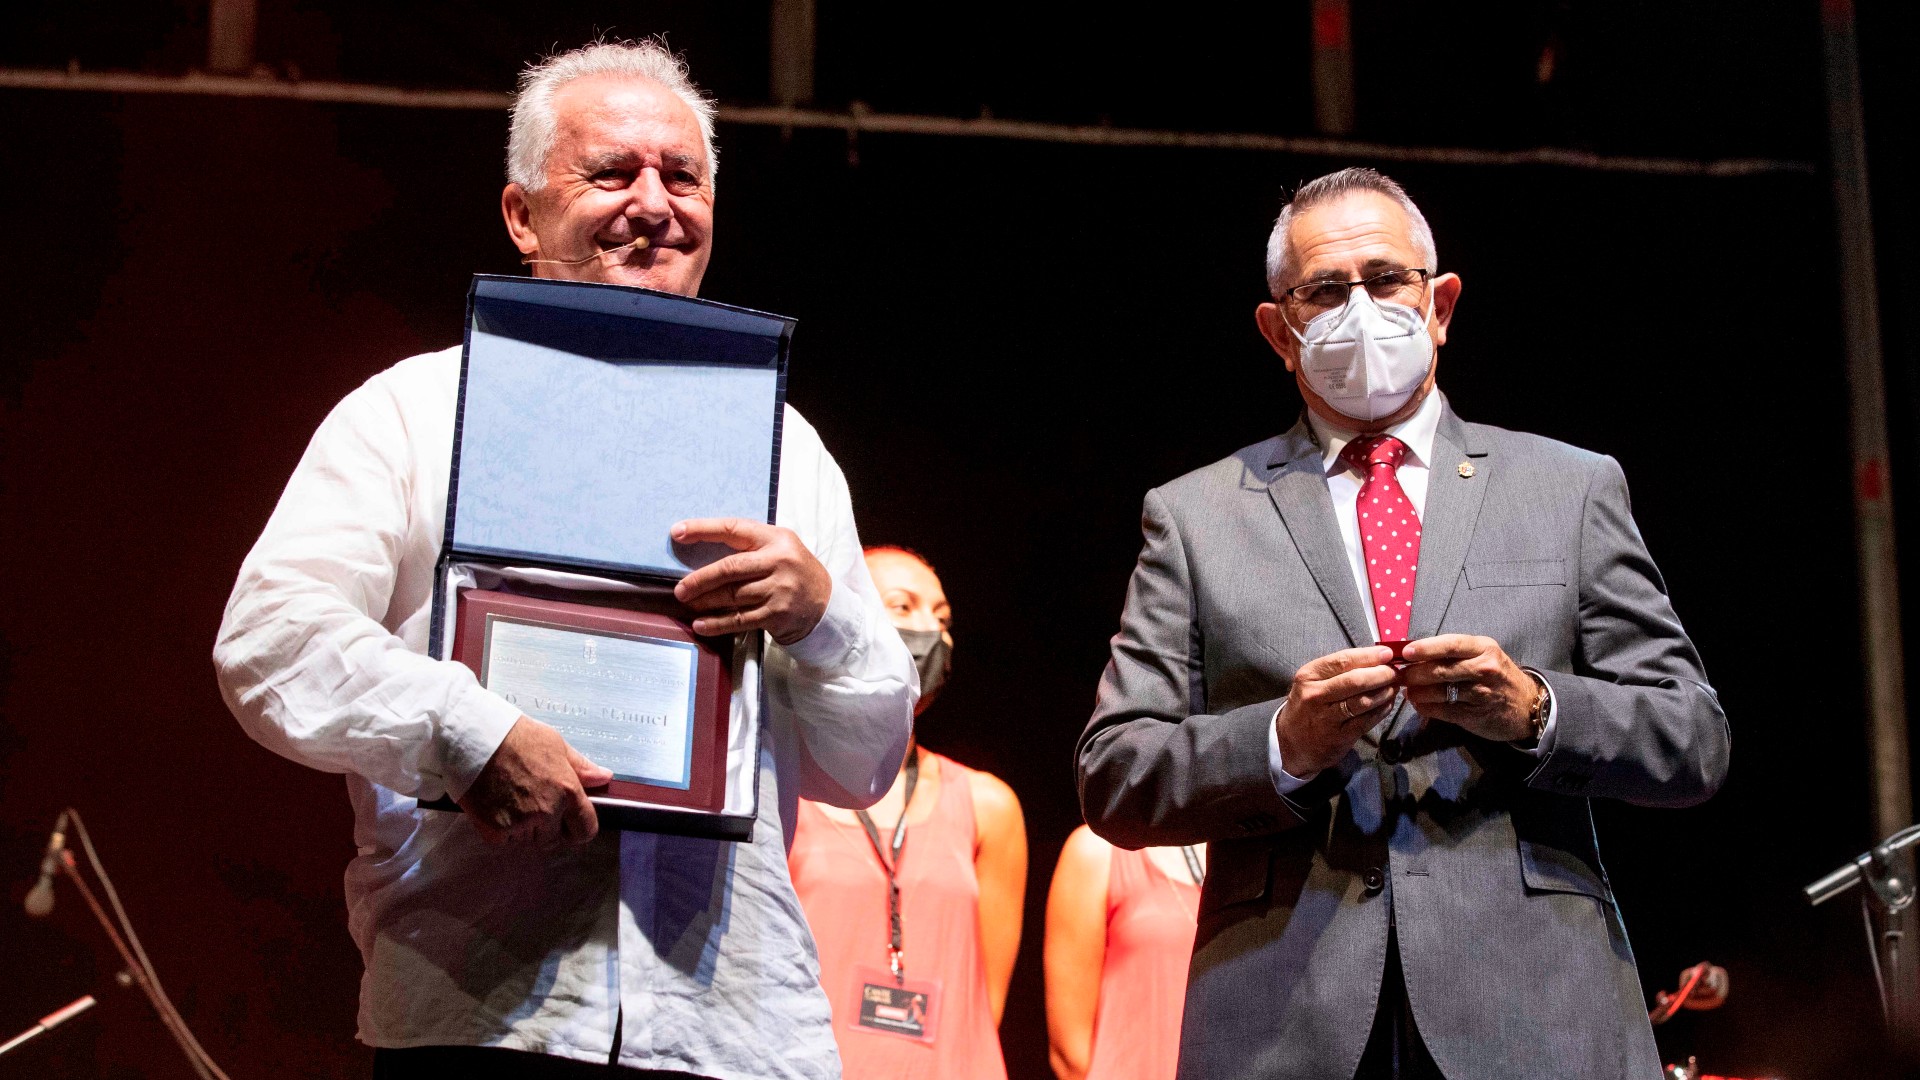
(1394, 1048)
(494, 1063)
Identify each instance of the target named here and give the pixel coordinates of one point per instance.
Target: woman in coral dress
(915, 903)
(1120, 928)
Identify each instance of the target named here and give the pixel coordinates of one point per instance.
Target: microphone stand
(1886, 870)
(133, 968)
(137, 972)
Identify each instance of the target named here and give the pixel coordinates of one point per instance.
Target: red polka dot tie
(1389, 532)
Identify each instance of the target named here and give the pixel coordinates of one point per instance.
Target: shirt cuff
(831, 644)
(1284, 782)
(471, 735)
(473, 731)
(1545, 746)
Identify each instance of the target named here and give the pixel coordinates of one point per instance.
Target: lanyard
(896, 947)
(1193, 864)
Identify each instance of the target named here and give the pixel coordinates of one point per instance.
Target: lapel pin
(1466, 470)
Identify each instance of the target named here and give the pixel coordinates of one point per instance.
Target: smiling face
(627, 163)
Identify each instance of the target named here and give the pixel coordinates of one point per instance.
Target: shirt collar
(1417, 431)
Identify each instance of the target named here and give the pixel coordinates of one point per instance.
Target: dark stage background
(1005, 344)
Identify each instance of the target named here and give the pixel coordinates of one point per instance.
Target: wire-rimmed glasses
(1407, 287)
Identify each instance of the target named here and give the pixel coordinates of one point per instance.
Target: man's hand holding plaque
(533, 789)
(634, 689)
(771, 582)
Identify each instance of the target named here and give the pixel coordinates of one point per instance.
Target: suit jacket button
(1390, 753)
(1374, 880)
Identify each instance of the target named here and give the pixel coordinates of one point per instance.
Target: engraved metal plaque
(625, 681)
(624, 702)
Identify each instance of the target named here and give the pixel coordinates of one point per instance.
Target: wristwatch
(1537, 717)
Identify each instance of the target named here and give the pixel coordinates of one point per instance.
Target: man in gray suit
(1382, 663)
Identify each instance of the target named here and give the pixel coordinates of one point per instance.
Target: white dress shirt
(695, 951)
(1343, 486)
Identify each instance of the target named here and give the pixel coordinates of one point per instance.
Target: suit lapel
(1299, 493)
(1446, 526)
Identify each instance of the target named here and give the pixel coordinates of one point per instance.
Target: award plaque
(632, 690)
(590, 419)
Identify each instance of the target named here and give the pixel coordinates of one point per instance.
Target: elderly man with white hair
(516, 939)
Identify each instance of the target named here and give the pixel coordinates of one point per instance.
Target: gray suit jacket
(1484, 857)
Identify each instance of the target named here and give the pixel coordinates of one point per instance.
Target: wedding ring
(1453, 693)
(1346, 708)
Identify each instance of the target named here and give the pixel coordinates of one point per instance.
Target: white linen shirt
(695, 951)
(1343, 486)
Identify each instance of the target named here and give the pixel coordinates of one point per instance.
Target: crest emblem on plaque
(588, 649)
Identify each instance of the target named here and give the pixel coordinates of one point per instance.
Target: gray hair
(533, 131)
(1326, 189)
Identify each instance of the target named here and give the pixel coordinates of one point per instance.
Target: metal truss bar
(860, 120)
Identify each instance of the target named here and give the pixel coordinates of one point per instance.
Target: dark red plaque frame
(624, 615)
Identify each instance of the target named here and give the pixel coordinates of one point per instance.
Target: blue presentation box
(591, 418)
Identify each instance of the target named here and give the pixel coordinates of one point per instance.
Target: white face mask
(1367, 359)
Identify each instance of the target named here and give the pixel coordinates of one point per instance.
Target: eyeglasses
(1406, 287)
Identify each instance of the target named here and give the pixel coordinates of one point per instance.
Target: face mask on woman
(1366, 359)
(933, 657)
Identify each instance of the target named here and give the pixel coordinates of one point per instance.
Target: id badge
(910, 1009)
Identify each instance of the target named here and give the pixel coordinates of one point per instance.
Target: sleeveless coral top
(843, 889)
(1143, 983)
